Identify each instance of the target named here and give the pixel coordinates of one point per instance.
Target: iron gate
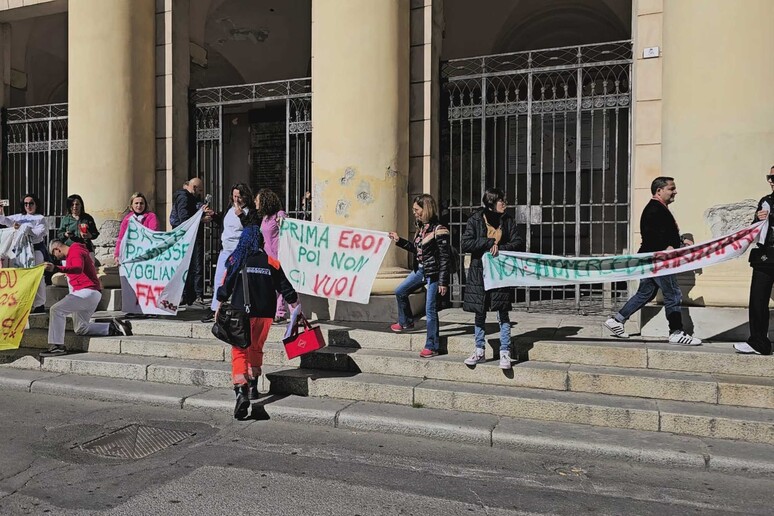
(210, 104)
(35, 157)
(553, 129)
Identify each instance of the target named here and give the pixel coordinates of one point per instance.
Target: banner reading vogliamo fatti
(336, 262)
(509, 269)
(154, 266)
(17, 292)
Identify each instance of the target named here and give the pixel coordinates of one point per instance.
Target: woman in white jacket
(232, 221)
(31, 223)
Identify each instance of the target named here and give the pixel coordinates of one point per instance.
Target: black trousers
(194, 281)
(760, 294)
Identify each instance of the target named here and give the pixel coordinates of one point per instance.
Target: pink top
(147, 219)
(270, 230)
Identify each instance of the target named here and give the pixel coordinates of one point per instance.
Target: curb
(529, 436)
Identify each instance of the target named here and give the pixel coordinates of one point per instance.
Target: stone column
(360, 116)
(111, 103)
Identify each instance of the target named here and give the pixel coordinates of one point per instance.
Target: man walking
(81, 302)
(186, 201)
(659, 233)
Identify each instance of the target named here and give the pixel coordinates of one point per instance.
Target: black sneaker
(210, 317)
(39, 310)
(54, 350)
(254, 394)
(124, 327)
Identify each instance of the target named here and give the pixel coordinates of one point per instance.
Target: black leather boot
(254, 394)
(242, 401)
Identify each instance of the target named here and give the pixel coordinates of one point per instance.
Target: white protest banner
(511, 269)
(16, 249)
(154, 266)
(336, 262)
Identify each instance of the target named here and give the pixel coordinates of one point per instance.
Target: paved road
(273, 468)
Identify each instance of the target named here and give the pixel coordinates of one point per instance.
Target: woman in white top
(232, 222)
(33, 224)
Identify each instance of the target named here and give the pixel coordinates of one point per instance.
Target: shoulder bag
(232, 324)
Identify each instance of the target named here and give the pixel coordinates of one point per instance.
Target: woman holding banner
(138, 208)
(489, 230)
(232, 222)
(762, 263)
(265, 279)
(32, 223)
(431, 269)
(270, 213)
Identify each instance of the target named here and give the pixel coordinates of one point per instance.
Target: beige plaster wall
(718, 121)
(111, 103)
(361, 115)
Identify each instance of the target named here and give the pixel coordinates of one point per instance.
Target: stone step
(612, 411)
(340, 378)
(530, 436)
(713, 358)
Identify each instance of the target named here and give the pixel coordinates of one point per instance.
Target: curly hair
(268, 203)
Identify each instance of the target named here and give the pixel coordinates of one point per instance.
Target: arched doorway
(551, 126)
(251, 101)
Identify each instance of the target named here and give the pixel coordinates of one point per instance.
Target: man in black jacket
(762, 263)
(185, 203)
(659, 233)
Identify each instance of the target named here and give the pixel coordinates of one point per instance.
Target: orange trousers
(246, 363)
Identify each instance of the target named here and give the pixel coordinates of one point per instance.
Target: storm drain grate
(134, 442)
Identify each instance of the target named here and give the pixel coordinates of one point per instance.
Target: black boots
(254, 394)
(242, 401)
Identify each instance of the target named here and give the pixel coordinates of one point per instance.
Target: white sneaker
(682, 338)
(617, 328)
(744, 348)
(476, 358)
(505, 360)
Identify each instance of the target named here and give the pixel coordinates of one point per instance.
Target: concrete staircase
(571, 376)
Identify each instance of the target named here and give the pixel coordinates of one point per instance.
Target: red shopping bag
(301, 337)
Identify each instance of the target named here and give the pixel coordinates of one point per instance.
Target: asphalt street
(274, 468)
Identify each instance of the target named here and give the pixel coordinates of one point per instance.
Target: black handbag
(232, 324)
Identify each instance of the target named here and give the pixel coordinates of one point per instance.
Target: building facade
(571, 106)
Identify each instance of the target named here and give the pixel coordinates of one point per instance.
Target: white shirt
(232, 229)
(32, 225)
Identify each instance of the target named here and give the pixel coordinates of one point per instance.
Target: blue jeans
(647, 292)
(505, 330)
(405, 318)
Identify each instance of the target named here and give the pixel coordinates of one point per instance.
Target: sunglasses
(770, 178)
(33, 202)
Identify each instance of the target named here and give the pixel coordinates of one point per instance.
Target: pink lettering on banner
(325, 285)
(678, 257)
(148, 295)
(348, 239)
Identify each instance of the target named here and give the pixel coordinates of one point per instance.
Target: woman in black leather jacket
(431, 268)
(762, 263)
(489, 230)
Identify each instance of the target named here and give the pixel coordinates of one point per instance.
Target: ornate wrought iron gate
(553, 129)
(209, 105)
(35, 157)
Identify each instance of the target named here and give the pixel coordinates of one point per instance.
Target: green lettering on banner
(348, 263)
(306, 234)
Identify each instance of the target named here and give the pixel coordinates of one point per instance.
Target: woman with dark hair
(265, 279)
(489, 230)
(138, 208)
(233, 220)
(431, 269)
(32, 223)
(77, 225)
(269, 208)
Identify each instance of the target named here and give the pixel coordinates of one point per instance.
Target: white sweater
(32, 225)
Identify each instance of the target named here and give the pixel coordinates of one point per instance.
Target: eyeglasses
(770, 178)
(33, 202)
